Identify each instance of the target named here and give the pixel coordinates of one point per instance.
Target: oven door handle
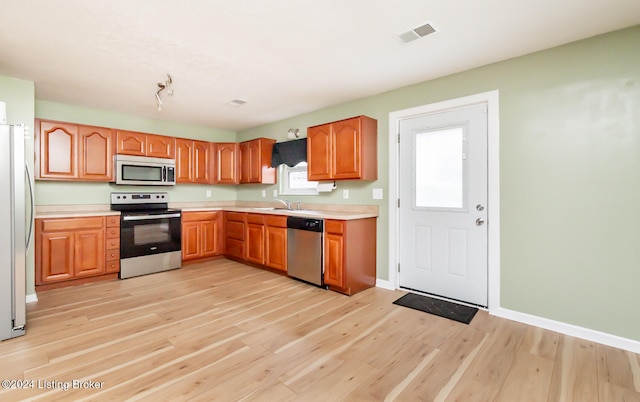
(149, 217)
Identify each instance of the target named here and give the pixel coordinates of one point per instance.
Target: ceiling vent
(416, 33)
(236, 103)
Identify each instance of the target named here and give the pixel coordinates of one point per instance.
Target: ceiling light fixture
(164, 85)
(293, 133)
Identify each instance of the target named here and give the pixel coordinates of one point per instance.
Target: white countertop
(76, 211)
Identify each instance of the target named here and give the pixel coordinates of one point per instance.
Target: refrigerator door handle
(33, 206)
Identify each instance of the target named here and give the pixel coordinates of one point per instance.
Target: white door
(443, 204)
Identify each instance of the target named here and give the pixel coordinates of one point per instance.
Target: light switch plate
(208, 193)
(275, 192)
(377, 194)
(264, 193)
(345, 194)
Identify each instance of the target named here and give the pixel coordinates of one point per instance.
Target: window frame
(283, 180)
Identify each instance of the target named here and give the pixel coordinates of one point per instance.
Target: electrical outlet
(264, 193)
(345, 194)
(377, 194)
(275, 193)
(208, 193)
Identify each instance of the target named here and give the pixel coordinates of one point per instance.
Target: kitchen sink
(264, 209)
(304, 212)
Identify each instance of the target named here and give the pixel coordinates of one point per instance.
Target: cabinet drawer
(113, 254)
(113, 233)
(331, 226)
(234, 230)
(234, 216)
(112, 266)
(199, 216)
(234, 248)
(275, 220)
(113, 221)
(62, 224)
(255, 218)
(113, 243)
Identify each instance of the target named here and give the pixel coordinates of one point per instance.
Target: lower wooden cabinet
(275, 242)
(74, 248)
(201, 235)
(255, 239)
(234, 232)
(350, 255)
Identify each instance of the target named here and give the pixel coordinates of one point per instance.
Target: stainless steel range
(150, 233)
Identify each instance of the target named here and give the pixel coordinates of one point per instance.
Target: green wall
(569, 174)
(57, 193)
(19, 95)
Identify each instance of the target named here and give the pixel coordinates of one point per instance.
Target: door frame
(491, 98)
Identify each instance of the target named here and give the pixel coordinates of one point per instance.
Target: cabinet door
(58, 147)
(130, 143)
(55, 257)
(255, 243)
(334, 260)
(276, 247)
(226, 157)
(346, 149)
(200, 164)
(184, 161)
(191, 235)
(89, 254)
(319, 152)
(95, 153)
(245, 163)
(160, 146)
(210, 238)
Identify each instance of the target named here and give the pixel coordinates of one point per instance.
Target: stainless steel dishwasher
(304, 245)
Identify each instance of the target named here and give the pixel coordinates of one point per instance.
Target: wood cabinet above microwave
(141, 144)
(343, 150)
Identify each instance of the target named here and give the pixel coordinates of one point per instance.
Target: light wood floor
(222, 331)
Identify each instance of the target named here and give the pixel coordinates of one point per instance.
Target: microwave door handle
(164, 173)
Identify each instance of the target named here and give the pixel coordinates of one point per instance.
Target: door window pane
(439, 173)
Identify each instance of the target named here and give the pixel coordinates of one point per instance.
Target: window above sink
(293, 180)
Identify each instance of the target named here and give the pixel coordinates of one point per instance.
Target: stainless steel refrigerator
(16, 225)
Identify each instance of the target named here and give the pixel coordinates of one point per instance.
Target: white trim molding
(569, 329)
(492, 99)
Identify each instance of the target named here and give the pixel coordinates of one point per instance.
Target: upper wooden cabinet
(345, 149)
(140, 144)
(95, 153)
(225, 162)
(192, 161)
(67, 151)
(255, 161)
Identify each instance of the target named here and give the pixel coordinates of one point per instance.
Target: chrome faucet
(286, 203)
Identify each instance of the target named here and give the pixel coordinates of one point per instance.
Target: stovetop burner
(148, 203)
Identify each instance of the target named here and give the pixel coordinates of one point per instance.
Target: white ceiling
(284, 57)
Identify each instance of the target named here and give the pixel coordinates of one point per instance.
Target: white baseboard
(384, 284)
(569, 329)
(32, 298)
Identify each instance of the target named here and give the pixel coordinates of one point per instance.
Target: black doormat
(442, 308)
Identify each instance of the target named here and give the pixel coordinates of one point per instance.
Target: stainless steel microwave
(145, 171)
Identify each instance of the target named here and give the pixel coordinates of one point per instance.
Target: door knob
(479, 221)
